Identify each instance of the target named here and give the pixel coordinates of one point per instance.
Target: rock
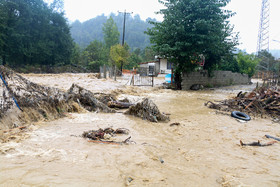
(107, 136)
(197, 87)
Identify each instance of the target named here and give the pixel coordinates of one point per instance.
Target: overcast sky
(246, 20)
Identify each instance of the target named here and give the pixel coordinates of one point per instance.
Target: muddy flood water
(203, 150)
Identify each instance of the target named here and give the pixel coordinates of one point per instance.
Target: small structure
(160, 66)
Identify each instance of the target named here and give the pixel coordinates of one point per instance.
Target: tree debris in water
(104, 135)
(275, 138)
(37, 101)
(261, 101)
(257, 143)
(119, 104)
(147, 110)
(87, 99)
(174, 124)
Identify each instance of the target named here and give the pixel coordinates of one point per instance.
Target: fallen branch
(268, 136)
(118, 104)
(105, 142)
(257, 143)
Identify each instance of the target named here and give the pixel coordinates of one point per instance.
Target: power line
(124, 19)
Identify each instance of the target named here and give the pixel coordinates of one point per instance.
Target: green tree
(111, 33)
(2, 28)
(267, 62)
(148, 54)
(247, 63)
(229, 63)
(191, 28)
(95, 55)
(119, 55)
(76, 55)
(34, 34)
(134, 60)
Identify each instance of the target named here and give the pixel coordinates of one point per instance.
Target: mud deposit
(201, 150)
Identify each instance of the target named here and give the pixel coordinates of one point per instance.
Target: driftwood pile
(261, 101)
(147, 110)
(101, 133)
(105, 135)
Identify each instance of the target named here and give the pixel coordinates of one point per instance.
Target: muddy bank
(203, 150)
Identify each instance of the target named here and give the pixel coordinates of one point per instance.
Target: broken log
(257, 143)
(118, 104)
(87, 99)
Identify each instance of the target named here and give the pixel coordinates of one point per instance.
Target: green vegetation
(267, 62)
(247, 63)
(111, 33)
(99, 53)
(35, 36)
(33, 33)
(119, 55)
(84, 33)
(241, 63)
(94, 55)
(191, 28)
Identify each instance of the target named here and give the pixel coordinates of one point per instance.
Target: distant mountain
(84, 33)
(275, 53)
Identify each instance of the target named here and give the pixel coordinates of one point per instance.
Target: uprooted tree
(42, 101)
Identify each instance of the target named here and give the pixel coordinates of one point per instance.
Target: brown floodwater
(203, 150)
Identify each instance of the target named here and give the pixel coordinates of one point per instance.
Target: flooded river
(203, 150)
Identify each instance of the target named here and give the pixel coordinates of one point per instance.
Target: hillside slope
(84, 33)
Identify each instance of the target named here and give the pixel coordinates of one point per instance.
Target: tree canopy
(247, 63)
(111, 33)
(267, 62)
(31, 32)
(94, 55)
(191, 28)
(119, 55)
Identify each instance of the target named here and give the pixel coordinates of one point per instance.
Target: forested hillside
(34, 33)
(88, 31)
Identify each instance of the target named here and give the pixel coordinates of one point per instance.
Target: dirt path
(203, 150)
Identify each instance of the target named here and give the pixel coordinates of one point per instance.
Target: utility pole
(124, 19)
(263, 37)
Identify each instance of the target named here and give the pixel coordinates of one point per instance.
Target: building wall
(220, 78)
(157, 68)
(163, 67)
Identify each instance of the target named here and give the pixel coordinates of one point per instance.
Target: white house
(165, 66)
(159, 66)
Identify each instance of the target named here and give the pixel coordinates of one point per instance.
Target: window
(169, 65)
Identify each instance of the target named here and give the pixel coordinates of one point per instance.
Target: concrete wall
(220, 78)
